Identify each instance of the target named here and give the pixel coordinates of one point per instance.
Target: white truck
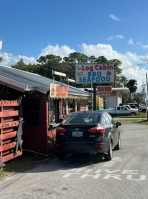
(143, 108)
(121, 110)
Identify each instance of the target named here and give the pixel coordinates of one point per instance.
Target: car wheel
(108, 156)
(133, 113)
(118, 146)
(60, 156)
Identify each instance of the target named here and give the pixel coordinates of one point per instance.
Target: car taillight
(60, 130)
(97, 129)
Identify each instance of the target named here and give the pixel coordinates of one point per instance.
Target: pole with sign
(95, 73)
(94, 96)
(147, 97)
(1, 59)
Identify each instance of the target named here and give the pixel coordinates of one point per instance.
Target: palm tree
(132, 85)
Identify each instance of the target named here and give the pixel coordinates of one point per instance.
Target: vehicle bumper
(81, 147)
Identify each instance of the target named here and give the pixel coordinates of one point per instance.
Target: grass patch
(140, 115)
(137, 121)
(26, 161)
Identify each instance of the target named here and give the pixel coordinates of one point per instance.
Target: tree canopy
(67, 65)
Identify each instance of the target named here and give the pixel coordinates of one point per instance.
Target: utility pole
(94, 96)
(146, 97)
(1, 59)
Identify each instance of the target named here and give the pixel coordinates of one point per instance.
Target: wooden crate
(10, 130)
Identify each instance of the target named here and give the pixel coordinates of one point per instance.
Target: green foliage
(52, 62)
(132, 85)
(76, 57)
(125, 97)
(92, 59)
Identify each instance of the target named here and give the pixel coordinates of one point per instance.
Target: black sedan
(88, 132)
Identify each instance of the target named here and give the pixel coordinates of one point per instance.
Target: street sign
(94, 73)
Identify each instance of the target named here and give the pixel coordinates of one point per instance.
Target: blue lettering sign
(103, 79)
(97, 79)
(80, 79)
(99, 74)
(93, 79)
(88, 80)
(84, 79)
(89, 74)
(94, 74)
(108, 79)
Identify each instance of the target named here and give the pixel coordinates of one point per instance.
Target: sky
(115, 29)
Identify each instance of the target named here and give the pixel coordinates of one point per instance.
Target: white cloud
(144, 46)
(129, 67)
(9, 59)
(61, 51)
(112, 16)
(116, 37)
(130, 42)
(119, 36)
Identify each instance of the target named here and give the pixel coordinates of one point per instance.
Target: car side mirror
(118, 124)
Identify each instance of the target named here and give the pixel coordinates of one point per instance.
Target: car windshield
(82, 118)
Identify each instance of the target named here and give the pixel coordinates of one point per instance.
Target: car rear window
(82, 118)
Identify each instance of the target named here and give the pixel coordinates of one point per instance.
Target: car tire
(133, 113)
(108, 156)
(118, 146)
(144, 111)
(60, 156)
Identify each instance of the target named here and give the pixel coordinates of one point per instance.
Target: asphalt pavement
(86, 176)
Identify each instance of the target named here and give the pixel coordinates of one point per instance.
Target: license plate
(77, 133)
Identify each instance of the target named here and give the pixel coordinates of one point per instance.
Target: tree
(123, 80)
(92, 59)
(117, 69)
(48, 63)
(33, 68)
(52, 62)
(102, 59)
(76, 58)
(20, 65)
(49, 59)
(132, 85)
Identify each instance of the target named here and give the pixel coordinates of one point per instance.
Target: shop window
(31, 112)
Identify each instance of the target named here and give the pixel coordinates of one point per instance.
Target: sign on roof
(101, 89)
(137, 95)
(94, 73)
(57, 91)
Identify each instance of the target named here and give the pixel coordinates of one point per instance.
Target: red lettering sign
(57, 91)
(104, 88)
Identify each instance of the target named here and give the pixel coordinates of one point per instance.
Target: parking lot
(85, 176)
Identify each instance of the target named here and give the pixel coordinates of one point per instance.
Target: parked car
(129, 107)
(121, 110)
(88, 132)
(143, 108)
(133, 104)
(133, 107)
